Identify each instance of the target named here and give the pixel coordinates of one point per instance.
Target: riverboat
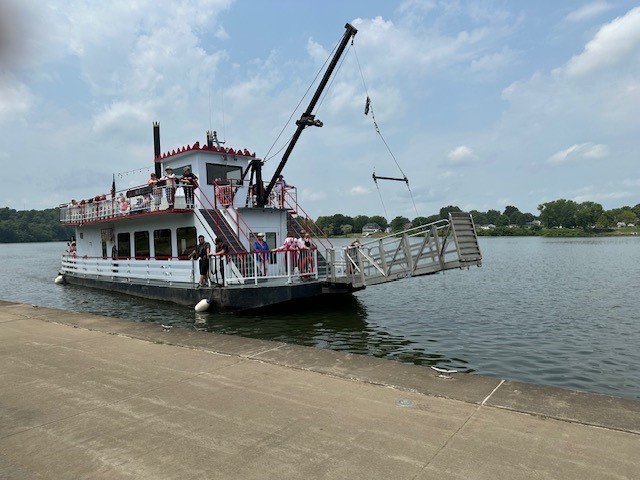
(139, 241)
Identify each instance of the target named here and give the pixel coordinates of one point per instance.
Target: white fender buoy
(59, 280)
(202, 305)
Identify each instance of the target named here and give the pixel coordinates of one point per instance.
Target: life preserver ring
(306, 266)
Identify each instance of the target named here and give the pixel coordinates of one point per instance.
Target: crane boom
(307, 119)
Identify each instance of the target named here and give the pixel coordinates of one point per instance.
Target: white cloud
(120, 116)
(493, 61)
(102, 72)
(313, 195)
(461, 155)
(615, 43)
(604, 196)
(359, 190)
(579, 152)
(588, 11)
(15, 98)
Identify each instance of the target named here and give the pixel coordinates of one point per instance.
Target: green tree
(606, 220)
(444, 211)
(492, 216)
(502, 221)
(479, 218)
(398, 223)
(346, 229)
(626, 216)
(359, 221)
(587, 214)
(418, 221)
(32, 226)
(510, 210)
(517, 218)
(559, 213)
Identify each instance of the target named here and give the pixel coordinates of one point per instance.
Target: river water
(561, 312)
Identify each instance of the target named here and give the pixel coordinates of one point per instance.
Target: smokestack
(209, 139)
(156, 148)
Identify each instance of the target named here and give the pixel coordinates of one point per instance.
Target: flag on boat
(367, 105)
(113, 187)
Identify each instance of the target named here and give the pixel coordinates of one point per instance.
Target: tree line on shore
(558, 214)
(32, 226)
(44, 225)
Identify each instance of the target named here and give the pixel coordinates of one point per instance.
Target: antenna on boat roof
(210, 127)
(212, 137)
(224, 126)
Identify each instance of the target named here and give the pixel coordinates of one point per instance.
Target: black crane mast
(307, 119)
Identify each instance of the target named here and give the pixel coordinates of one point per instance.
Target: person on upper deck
(123, 205)
(189, 182)
(280, 187)
(155, 191)
(170, 185)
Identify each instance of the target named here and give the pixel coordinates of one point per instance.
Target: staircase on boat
(424, 250)
(222, 229)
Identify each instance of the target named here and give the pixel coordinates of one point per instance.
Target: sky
(480, 104)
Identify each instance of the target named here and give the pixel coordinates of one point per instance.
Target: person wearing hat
(170, 185)
(262, 248)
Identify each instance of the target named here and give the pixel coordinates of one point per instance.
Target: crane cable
(369, 108)
(320, 70)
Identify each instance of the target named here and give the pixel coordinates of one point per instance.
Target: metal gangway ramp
(424, 250)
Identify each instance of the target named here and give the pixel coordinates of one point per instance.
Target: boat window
(178, 171)
(162, 244)
(187, 241)
(228, 172)
(141, 242)
(124, 245)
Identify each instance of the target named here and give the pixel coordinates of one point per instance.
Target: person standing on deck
(262, 248)
(189, 182)
(155, 191)
(221, 250)
(290, 245)
(170, 185)
(202, 252)
(280, 187)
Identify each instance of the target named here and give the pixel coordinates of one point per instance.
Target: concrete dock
(90, 397)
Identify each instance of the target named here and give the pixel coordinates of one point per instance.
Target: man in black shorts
(202, 251)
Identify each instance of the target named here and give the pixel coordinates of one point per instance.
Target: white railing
(264, 267)
(102, 209)
(277, 267)
(171, 271)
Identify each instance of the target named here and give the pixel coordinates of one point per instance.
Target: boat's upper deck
(220, 174)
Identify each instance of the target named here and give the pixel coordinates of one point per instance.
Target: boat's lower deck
(231, 297)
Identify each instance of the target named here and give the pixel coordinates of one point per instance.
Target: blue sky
(483, 104)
